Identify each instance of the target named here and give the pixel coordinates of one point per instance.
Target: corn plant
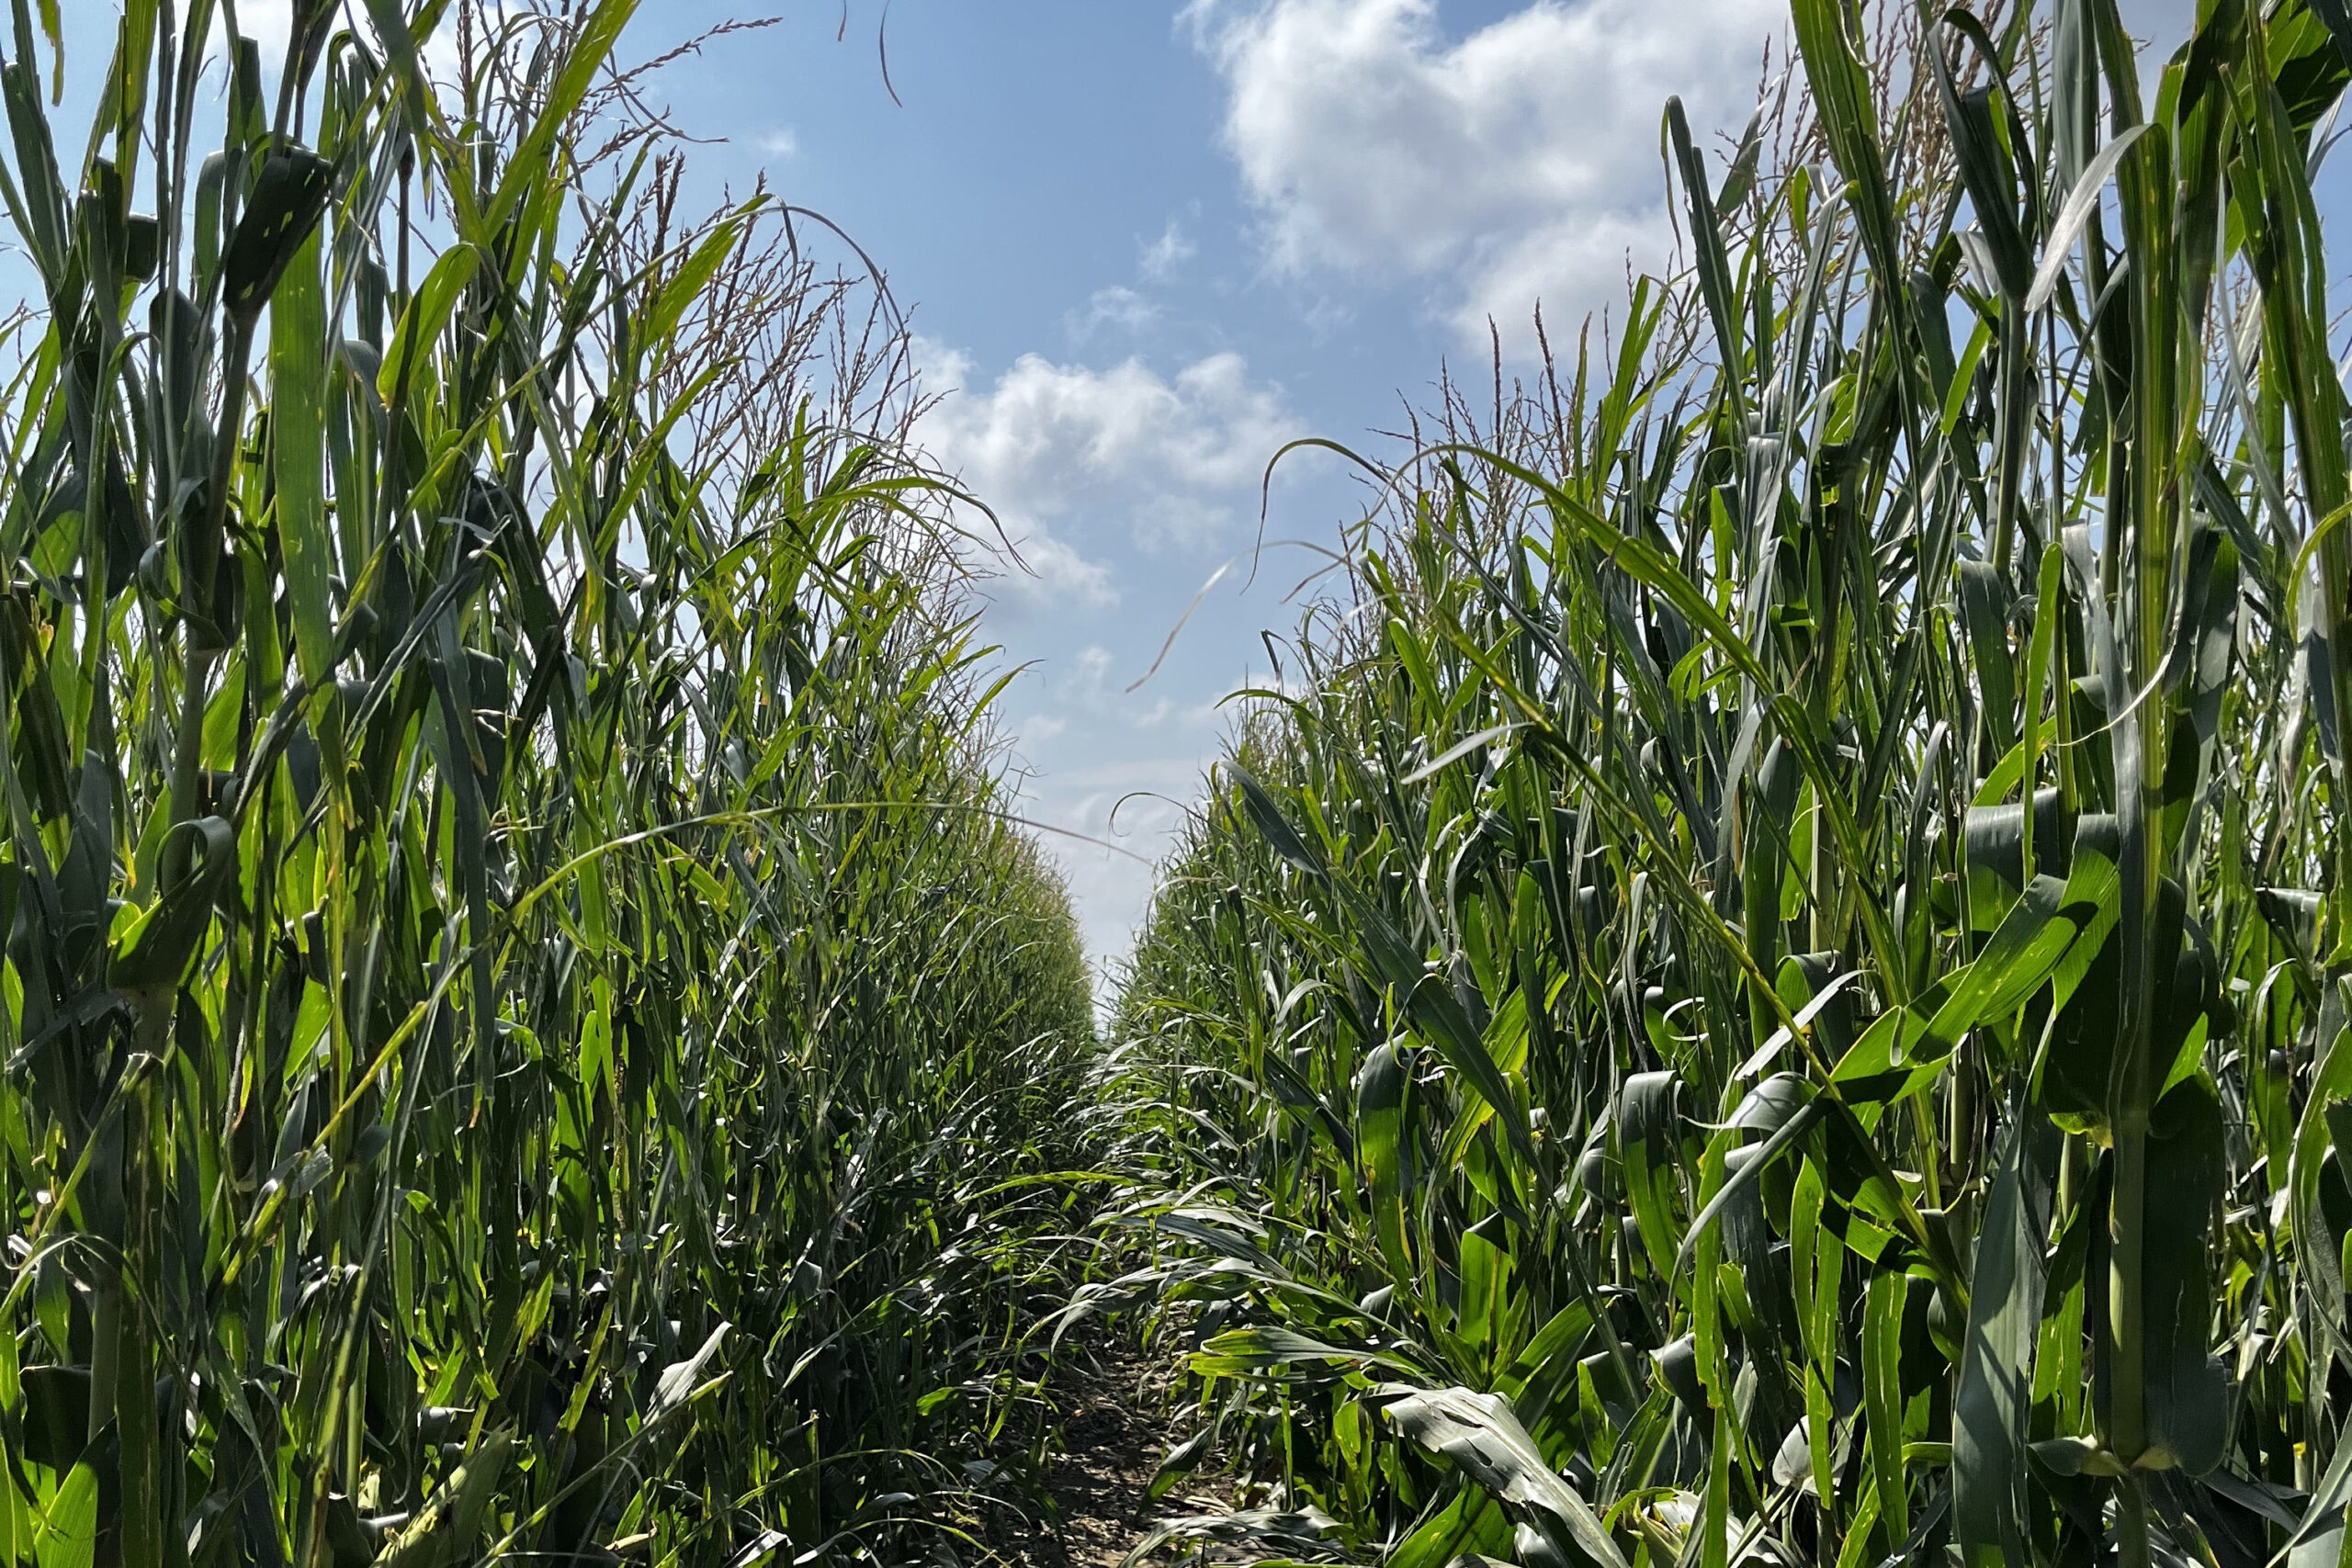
(522, 1002)
(1771, 987)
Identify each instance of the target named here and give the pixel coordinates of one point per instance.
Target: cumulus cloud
(1041, 727)
(1117, 306)
(1074, 456)
(1518, 163)
(1092, 686)
(1159, 259)
(269, 22)
(1049, 571)
(1139, 804)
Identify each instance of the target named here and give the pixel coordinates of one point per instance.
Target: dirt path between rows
(1100, 1481)
(1115, 1428)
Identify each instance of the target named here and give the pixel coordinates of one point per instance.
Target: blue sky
(1145, 244)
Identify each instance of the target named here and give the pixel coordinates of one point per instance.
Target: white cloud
(1138, 806)
(1087, 683)
(781, 142)
(1040, 727)
(1048, 572)
(269, 23)
(1117, 306)
(1093, 455)
(1162, 257)
(1092, 686)
(1041, 571)
(1518, 163)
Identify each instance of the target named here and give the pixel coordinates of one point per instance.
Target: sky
(1144, 245)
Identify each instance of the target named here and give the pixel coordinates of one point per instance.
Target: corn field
(529, 1033)
(1770, 984)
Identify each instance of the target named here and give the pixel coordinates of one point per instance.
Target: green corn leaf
(445, 1529)
(1788, 1118)
(1649, 1130)
(425, 319)
(2074, 215)
(1985, 597)
(1849, 121)
(2188, 1393)
(1479, 1433)
(1707, 233)
(1467, 1529)
(1992, 1405)
(1259, 1350)
(67, 1535)
(159, 947)
(281, 218)
(1884, 1397)
(527, 171)
(2034, 939)
(1381, 1090)
(297, 363)
(689, 284)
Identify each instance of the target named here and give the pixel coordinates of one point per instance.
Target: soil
(1113, 1403)
(1100, 1482)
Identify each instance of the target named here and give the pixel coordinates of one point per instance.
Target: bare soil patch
(1114, 1427)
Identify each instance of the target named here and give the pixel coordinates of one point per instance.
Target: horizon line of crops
(1772, 985)
(524, 1007)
